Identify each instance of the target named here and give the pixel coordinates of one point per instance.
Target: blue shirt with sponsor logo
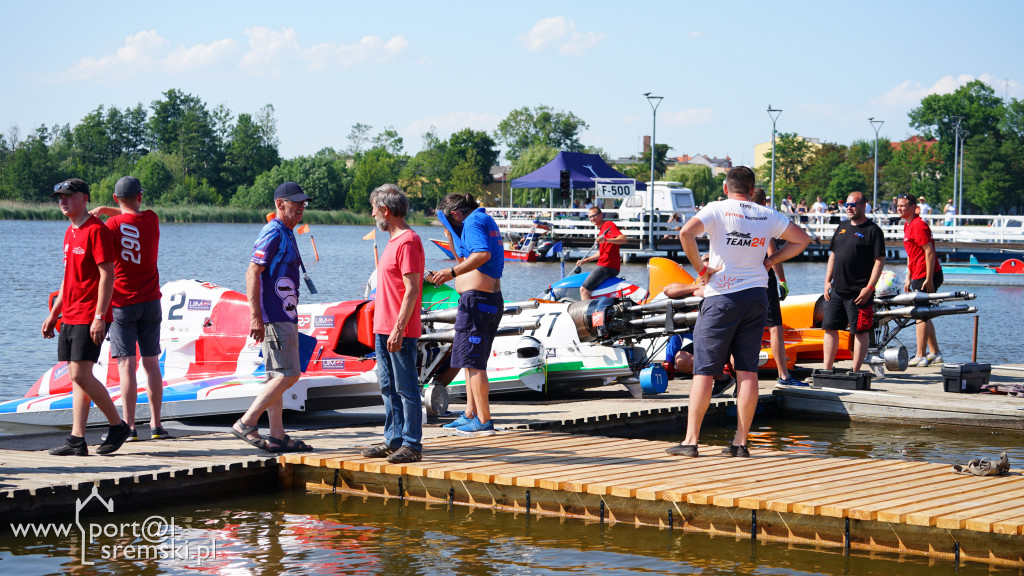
(480, 233)
(276, 249)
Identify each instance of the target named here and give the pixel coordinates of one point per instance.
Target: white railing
(573, 223)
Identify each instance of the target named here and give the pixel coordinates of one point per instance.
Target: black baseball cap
(70, 186)
(290, 191)
(127, 187)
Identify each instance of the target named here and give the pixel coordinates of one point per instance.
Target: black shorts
(476, 323)
(844, 314)
(729, 324)
(774, 316)
(74, 344)
(918, 283)
(597, 276)
(136, 323)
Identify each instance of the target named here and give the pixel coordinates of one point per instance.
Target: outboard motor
(592, 318)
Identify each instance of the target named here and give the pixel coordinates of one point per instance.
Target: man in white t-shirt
(818, 209)
(732, 316)
(923, 208)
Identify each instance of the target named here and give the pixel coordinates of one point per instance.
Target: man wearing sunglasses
(856, 256)
(272, 289)
(83, 307)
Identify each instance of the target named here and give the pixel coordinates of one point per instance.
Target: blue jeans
(400, 389)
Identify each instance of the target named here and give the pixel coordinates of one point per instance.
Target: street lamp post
(654, 101)
(956, 154)
(876, 124)
(960, 194)
(774, 113)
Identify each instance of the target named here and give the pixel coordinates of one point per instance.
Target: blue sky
(328, 65)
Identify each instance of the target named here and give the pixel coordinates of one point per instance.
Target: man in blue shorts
(732, 315)
(480, 259)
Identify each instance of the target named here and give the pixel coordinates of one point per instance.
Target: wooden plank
(922, 513)
(971, 508)
(837, 507)
(981, 519)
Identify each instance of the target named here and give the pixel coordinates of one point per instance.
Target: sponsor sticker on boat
(198, 304)
(333, 364)
(323, 322)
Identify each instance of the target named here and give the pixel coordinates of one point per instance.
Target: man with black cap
(272, 288)
(136, 300)
(83, 307)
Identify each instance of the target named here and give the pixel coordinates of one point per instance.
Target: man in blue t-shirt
(481, 260)
(272, 289)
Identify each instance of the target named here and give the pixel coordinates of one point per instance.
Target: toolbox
(966, 378)
(845, 379)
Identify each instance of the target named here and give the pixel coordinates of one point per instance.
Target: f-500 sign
(620, 188)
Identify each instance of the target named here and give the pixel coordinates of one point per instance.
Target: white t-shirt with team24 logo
(738, 232)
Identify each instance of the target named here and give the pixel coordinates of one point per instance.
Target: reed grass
(194, 214)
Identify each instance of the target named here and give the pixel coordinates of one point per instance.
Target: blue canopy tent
(583, 170)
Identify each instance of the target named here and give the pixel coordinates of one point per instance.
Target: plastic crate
(845, 379)
(966, 378)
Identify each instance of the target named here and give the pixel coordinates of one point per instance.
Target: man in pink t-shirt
(397, 328)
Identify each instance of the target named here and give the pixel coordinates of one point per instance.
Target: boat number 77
(554, 316)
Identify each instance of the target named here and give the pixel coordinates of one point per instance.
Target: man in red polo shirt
(136, 300)
(83, 305)
(923, 273)
(608, 259)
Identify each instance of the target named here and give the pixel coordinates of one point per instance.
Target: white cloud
(147, 52)
(697, 34)
(560, 33)
(448, 124)
(692, 117)
(910, 94)
(269, 48)
(368, 49)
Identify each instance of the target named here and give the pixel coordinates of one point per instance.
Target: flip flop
(244, 434)
(985, 467)
(963, 468)
(277, 445)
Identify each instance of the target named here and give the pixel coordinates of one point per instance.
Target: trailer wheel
(435, 398)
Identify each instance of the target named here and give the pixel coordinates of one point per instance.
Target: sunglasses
(66, 185)
(304, 203)
(851, 204)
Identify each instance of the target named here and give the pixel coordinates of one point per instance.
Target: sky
(325, 66)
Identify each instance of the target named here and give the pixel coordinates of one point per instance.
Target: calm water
(220, 252)
(298, 533)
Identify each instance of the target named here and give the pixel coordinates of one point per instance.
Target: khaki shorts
(281, 349)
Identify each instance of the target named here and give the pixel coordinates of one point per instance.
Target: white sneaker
(934, 359)
(919, 361)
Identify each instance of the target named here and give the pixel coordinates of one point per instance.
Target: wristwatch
(98, 317)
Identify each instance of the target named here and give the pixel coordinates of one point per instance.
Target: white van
(669, 198)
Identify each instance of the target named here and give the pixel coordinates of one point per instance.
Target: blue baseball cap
(290, 191)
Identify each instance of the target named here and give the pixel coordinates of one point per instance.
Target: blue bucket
(653, 380)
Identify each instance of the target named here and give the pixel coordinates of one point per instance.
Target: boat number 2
(554, 316)
(130, 243)
(177, 303)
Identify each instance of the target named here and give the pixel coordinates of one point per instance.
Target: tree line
(186, 152)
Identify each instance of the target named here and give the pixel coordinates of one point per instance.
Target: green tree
(542, 125)
(249, 154)
(377, 166)
(358, 137)
(696, 177)
(845, 179)
(791, 154)
(531, 159)
(817, 174)
(154, 175)
(181, 124)
(659, 161)
(389, 140)
(30, 173)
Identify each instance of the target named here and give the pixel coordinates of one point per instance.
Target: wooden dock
(879, 505)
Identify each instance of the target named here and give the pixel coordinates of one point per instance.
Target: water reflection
(299, 533)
